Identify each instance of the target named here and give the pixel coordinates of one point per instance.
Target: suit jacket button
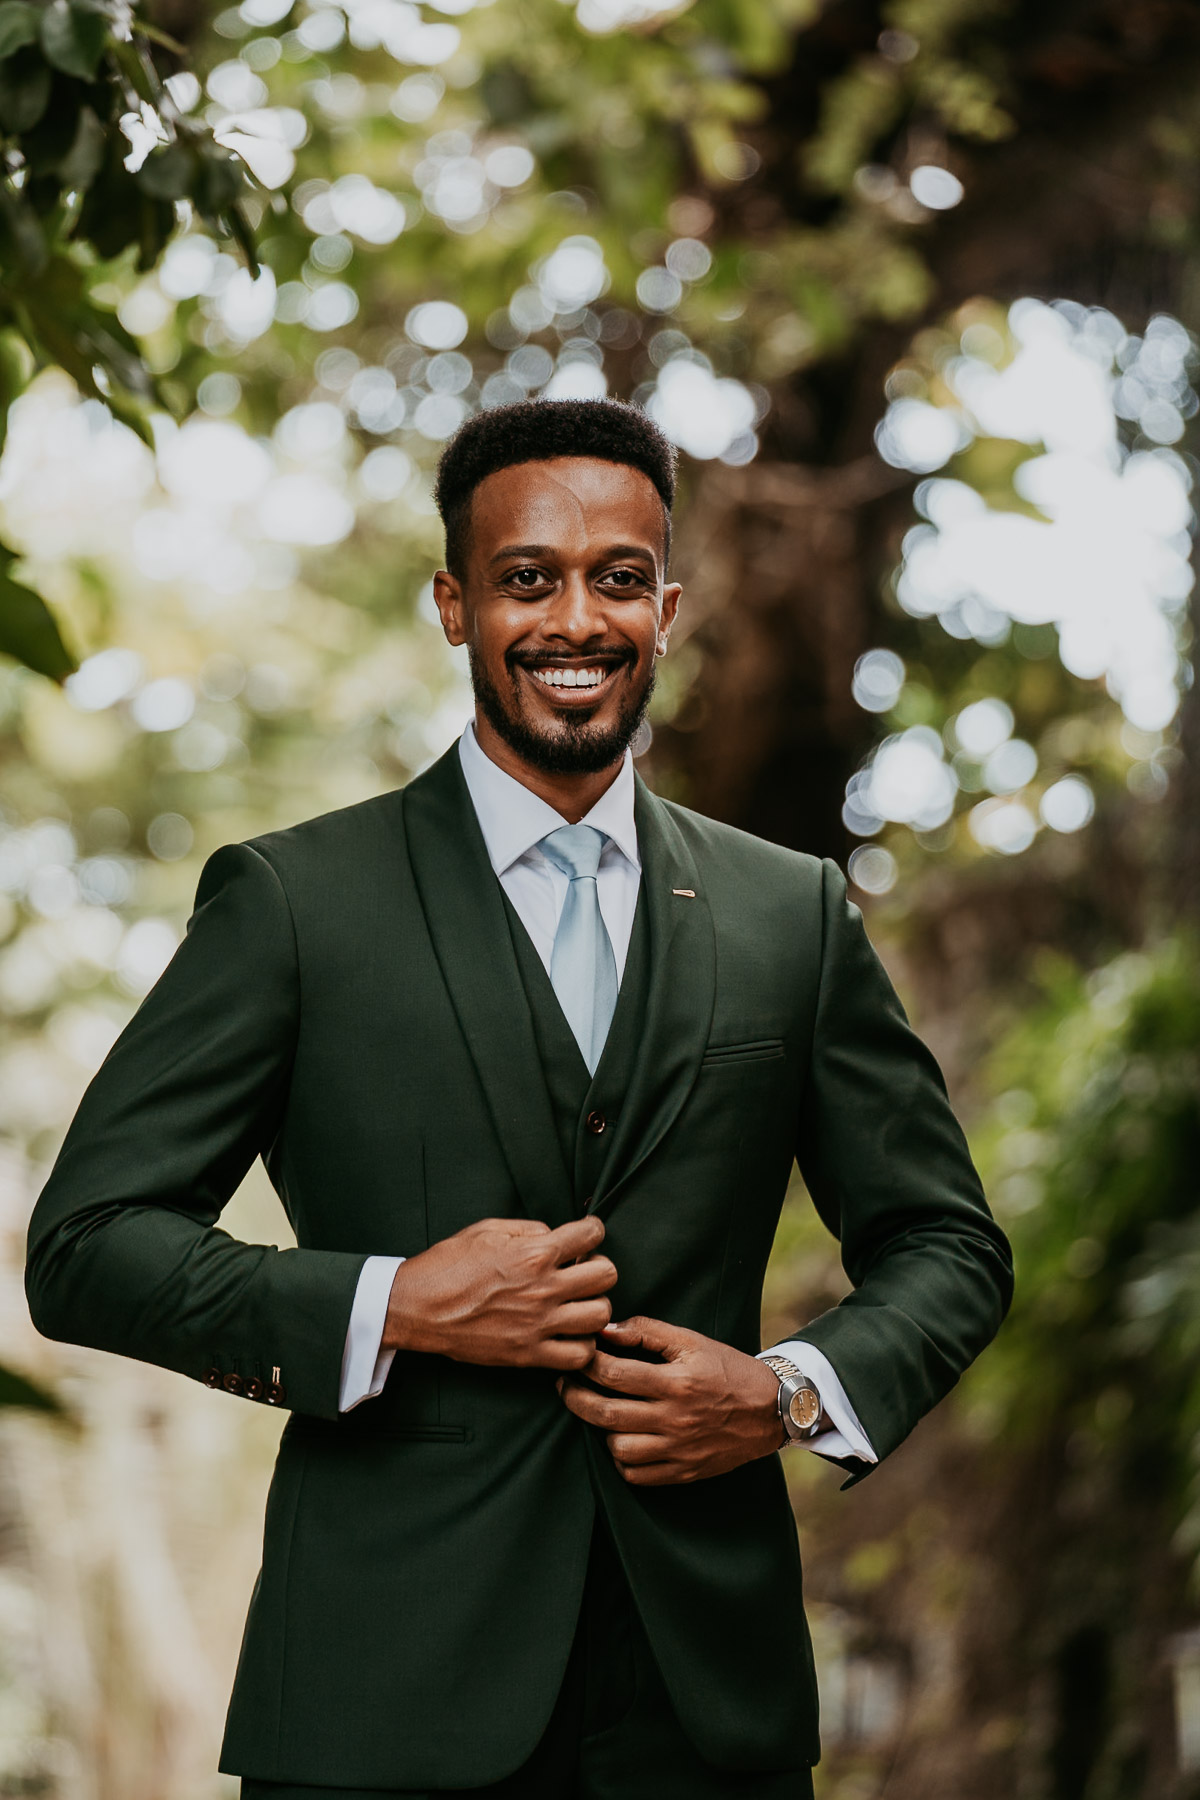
(596, 1122)
(254, 1388)
(275, 1394)
(212, 1378)
(232, 1383)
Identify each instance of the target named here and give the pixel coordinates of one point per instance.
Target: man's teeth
(570, 677)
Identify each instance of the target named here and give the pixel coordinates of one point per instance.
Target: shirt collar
(513, 819)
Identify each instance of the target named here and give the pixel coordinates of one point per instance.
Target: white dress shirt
(513, 821)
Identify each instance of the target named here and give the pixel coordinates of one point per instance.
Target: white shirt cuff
(846, 1436)
(364, 1365)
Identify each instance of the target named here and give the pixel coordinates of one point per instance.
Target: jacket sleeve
(888, 1168)
(125, 1253)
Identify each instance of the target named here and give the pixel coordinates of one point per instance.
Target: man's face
(562, 607)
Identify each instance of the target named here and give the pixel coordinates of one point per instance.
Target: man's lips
(573, 683)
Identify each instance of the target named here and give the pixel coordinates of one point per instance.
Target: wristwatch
(799, 1401)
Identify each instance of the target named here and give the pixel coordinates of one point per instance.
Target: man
(528, 1054)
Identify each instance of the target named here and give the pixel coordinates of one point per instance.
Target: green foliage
(72, 73)
(19, 1391)
(1089, 1153)
(28, 631)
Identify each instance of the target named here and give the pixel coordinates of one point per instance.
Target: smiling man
(529, 1055)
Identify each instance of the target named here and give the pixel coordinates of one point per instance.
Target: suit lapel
(679, 1006)
(464, 911)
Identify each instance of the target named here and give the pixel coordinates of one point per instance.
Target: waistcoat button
(596, 1122)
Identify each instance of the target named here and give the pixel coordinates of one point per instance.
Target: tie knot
(575, 849)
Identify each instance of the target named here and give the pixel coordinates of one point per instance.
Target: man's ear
(448, 598)
(672, 595)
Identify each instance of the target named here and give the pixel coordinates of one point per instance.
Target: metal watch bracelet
(799, 1402)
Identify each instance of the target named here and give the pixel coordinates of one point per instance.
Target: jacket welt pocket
(425, 1434)
(719, 1056)
(351, 1430)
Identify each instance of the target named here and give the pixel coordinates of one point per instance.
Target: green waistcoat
(586, 1108)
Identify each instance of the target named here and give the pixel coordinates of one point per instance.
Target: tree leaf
(220, 182)
(22, 241)
(24, 90)
(18, 25)
(81, 164)
(28, 633)
(243, 237)
(110, 217)
(168, 173)
(74, 37)
(14, 370)
(19, 1390)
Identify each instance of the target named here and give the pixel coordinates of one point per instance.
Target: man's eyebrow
(536, 550)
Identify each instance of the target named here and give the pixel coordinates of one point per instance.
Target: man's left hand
(703, 1410)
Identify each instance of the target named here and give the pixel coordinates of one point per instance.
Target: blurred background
(913, 286)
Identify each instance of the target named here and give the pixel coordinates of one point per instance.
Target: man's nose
(575, 613)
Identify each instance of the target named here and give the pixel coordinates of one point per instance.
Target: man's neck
(571, 796)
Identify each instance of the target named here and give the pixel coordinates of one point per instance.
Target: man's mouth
(581, 678)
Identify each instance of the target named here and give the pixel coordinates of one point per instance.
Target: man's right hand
(505, 1292)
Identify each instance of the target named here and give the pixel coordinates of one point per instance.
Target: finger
(607, 1414)
(582, 1318)
(517, 1227)
(656, 1335)
(571, 1355)
(626, 1375)
(637, 1448)
(580, 1280)
(578, 1237)
(659, 1474)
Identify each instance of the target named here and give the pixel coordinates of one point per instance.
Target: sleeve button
(212, 1378)
(232, 1383)
(275, 1394)
(254, 1388)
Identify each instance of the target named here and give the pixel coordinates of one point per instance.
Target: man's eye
(526, 578)
(625, 578)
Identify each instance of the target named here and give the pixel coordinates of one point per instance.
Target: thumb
(668, 1341)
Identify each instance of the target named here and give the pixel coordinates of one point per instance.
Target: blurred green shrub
(1091, 1154)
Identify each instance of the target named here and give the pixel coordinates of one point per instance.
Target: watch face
(804, 1408)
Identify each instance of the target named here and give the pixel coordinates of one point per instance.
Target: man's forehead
(569, 495)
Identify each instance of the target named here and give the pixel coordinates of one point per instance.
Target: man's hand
(704, 1410)
(505, 1292)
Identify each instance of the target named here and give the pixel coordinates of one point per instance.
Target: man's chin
(574, 747)
(575, 743)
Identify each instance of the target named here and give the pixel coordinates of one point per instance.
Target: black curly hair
(535, 431)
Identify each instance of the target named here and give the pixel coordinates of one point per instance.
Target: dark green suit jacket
(347, 1004)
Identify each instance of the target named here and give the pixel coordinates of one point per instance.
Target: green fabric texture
(349, 1004)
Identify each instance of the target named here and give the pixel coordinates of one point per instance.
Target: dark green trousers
(613, 1734)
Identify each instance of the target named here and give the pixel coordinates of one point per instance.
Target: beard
(574, 746)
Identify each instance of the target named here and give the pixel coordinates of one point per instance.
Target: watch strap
(791, 1379)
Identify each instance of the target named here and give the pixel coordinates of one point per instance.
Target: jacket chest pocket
(750, 1050)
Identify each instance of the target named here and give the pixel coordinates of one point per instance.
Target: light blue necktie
(583, 969)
